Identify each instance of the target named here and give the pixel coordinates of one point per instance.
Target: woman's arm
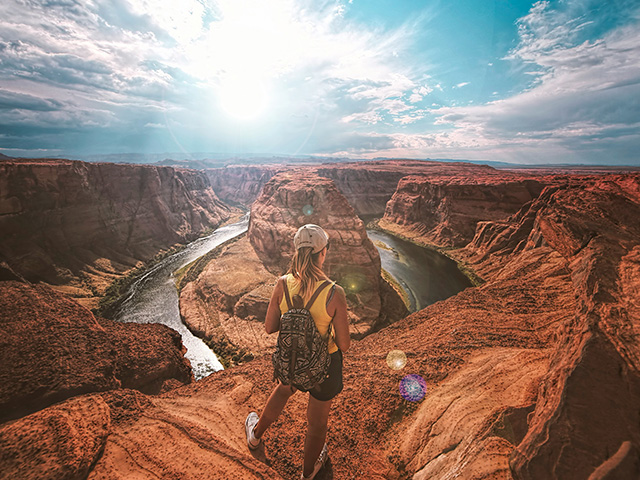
(272, 320)
(337, 308)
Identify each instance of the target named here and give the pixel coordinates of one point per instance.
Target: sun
(243, 97)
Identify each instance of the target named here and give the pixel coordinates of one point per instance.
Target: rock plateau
(51, 349)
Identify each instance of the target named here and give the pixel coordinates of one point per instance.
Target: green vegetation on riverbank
(114, 294)
(464, 268)
(229, 354)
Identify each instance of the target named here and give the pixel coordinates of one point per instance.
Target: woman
(329, 309)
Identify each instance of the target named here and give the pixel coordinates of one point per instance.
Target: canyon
(533, 374)
(77, 226)
(226, 300)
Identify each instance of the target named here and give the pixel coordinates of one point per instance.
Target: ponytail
(304, 268)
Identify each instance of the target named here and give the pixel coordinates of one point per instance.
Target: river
(426, 275)
(153, 298)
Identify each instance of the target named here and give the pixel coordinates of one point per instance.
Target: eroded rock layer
(367, 185)
(74, 223)
(241, 184)
(445, 211)
(290, 200)
(535, 374)
(52, 349)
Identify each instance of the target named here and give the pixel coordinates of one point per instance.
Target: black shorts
(332, 386)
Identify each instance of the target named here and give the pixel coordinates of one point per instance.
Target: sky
(494, 80)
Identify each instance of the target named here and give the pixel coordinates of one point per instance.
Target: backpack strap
(286, 294)
(316, 293)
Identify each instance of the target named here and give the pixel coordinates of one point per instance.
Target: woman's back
(318, 310)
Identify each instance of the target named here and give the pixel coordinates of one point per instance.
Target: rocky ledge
(53, 348)
(535, 374)
(445, 211)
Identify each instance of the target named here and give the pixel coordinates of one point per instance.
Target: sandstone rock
(62, 441)
(75, 223)
(531, 375)
(289, 201)
(445, 211)
(228, 299)
(52, 349)
(241, 184)
(190, 434)
(580, 417)
(367, 186)
(625, 463)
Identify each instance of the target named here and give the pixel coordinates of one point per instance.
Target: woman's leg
(273, 408)
(317, 418)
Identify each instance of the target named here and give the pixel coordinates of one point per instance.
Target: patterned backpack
(301, 358)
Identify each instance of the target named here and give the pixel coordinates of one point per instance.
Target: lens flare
(307, 210)
(413, 388)
(396, 359)
(353, 282)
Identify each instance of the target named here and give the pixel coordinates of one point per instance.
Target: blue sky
(515, 81)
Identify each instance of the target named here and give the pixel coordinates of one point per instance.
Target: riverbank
(116, 293)
(223, 299)
(475, 279)
(397, 287)
(227, 352)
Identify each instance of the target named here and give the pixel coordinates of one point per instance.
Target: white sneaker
(322, 459)
(249, 425)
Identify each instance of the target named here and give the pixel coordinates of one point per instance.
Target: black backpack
(301, 358)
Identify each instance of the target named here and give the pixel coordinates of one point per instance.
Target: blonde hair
(304, 268)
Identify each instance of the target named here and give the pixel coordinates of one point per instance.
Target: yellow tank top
(318, 309)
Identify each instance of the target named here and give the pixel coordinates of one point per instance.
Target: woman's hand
(272, 320)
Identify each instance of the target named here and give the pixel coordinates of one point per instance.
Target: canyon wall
(581, 409)
(532, 375)
(241, 184)
(535, 374)
(76, 224)
(290, 200)
(367, 185)
(445, 211)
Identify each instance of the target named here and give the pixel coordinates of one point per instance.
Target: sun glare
(243, 97)
(250, 47)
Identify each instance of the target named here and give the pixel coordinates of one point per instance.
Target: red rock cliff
(241, 184)
(68, 222)
(367, 185)
(585, 408)
(444, 211)
(288, 201)
(532, 375)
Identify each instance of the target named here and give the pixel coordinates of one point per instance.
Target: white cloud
(584, 90)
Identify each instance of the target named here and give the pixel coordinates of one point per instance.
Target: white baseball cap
(311, 235)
